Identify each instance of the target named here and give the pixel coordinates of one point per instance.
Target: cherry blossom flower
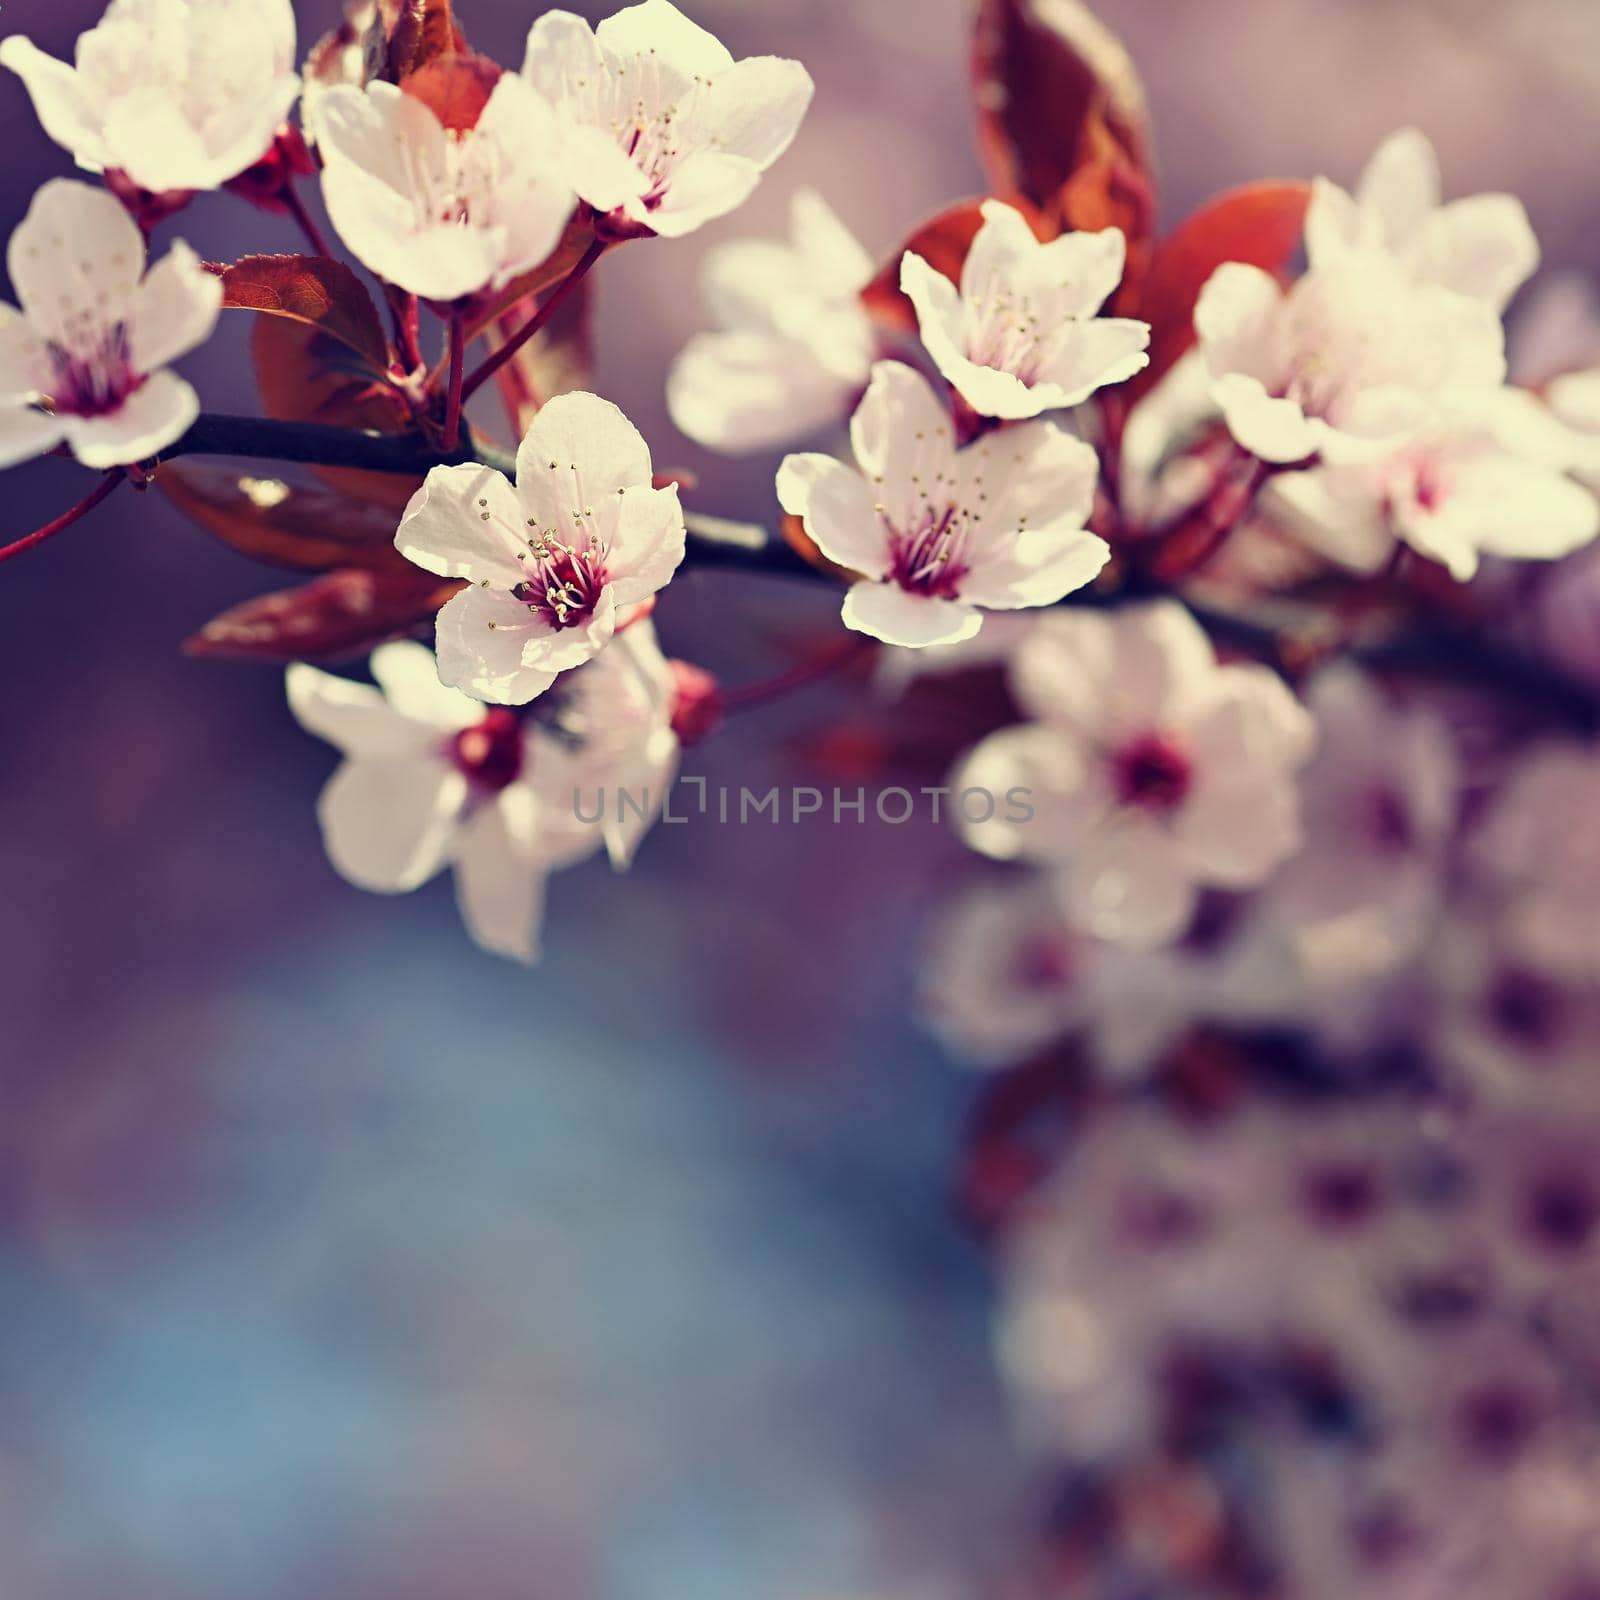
(84, 360)
(1489, 476)
(1346, 362)
(1022, 336)
(1379, 807)
(433, 779)
(795, 345)
(939, 534)
(551, 558)
(1483, 247)
(178, 94)
(442, 214)
(1154, 771)
(1541, 846)
(663, 130)
(1006, 973)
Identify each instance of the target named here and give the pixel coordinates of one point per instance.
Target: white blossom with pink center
(1007, 974)
(1540, 845)
(939, 534)
(178, 94)
(84, 359)
(443, 214)
(1380, 801)
(551, 558)
(1487, 477)
(1023, 335)
(661, 128)
(432, 779)
(1154, 771)
(1483, 246)
(1350, 361)
(794, 344)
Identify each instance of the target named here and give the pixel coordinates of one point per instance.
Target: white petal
(75, 252)
(175, 309)
(1088, 266)
(886, 611)
(900, 431)
(354, 716)
(940, 314)
(1236, 830)
(1035, 477)
(992, 393)
(659, 27)
(150, 137)
(704, 186)
(24, 362)
(61, 100)
(499, 877)
(647, 544)
(738, 393)
(1333, 225)
(1236, 318)
(25, 433)
(1035, 569)
(1276, 430)
(160, 411)
(1001, 249)
(1101, 352)
(388, 825)
(837, 507)
(756, 107)
(1484, 247)
(599, 170)
(487, 662)
(465, 522)
(837, 262)
(1401, 185)
(1131, 890)
(409, 677)
(561, 50)
(580, 450)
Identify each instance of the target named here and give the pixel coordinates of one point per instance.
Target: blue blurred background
(338, 1258)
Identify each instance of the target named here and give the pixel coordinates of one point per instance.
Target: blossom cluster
(1205, 563)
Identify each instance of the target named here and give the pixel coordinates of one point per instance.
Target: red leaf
(1259, 224)
(345, 613)
(323, 294)
(405, 35)
(455, 88)
(306, 375)
(287, 525)
(1046, 74)
(943, 241)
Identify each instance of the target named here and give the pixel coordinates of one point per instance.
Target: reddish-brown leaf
(943, 241)
(323, 294)
(455, 88)
(286, 525)
(1044, 73)
(1259, 224)
(792, 529)
(405, 35)
(342, 614)
(306, 375)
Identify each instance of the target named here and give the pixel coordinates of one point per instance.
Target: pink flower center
(1153, 772)
(1043, 963)
(490, 752)
(564, 584)
(930, 558)
(93, 383)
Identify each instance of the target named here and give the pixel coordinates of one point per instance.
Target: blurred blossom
(794, 345)
(176, 94)
(1154, 770)
(1540, 846)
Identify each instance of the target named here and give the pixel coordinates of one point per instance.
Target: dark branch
(317, 444)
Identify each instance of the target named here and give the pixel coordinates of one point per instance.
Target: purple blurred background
(339, 1258)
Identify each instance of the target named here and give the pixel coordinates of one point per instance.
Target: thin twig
(537, 321)
(308, 224)
(842, 654)
(67, 518)
(458, 360)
